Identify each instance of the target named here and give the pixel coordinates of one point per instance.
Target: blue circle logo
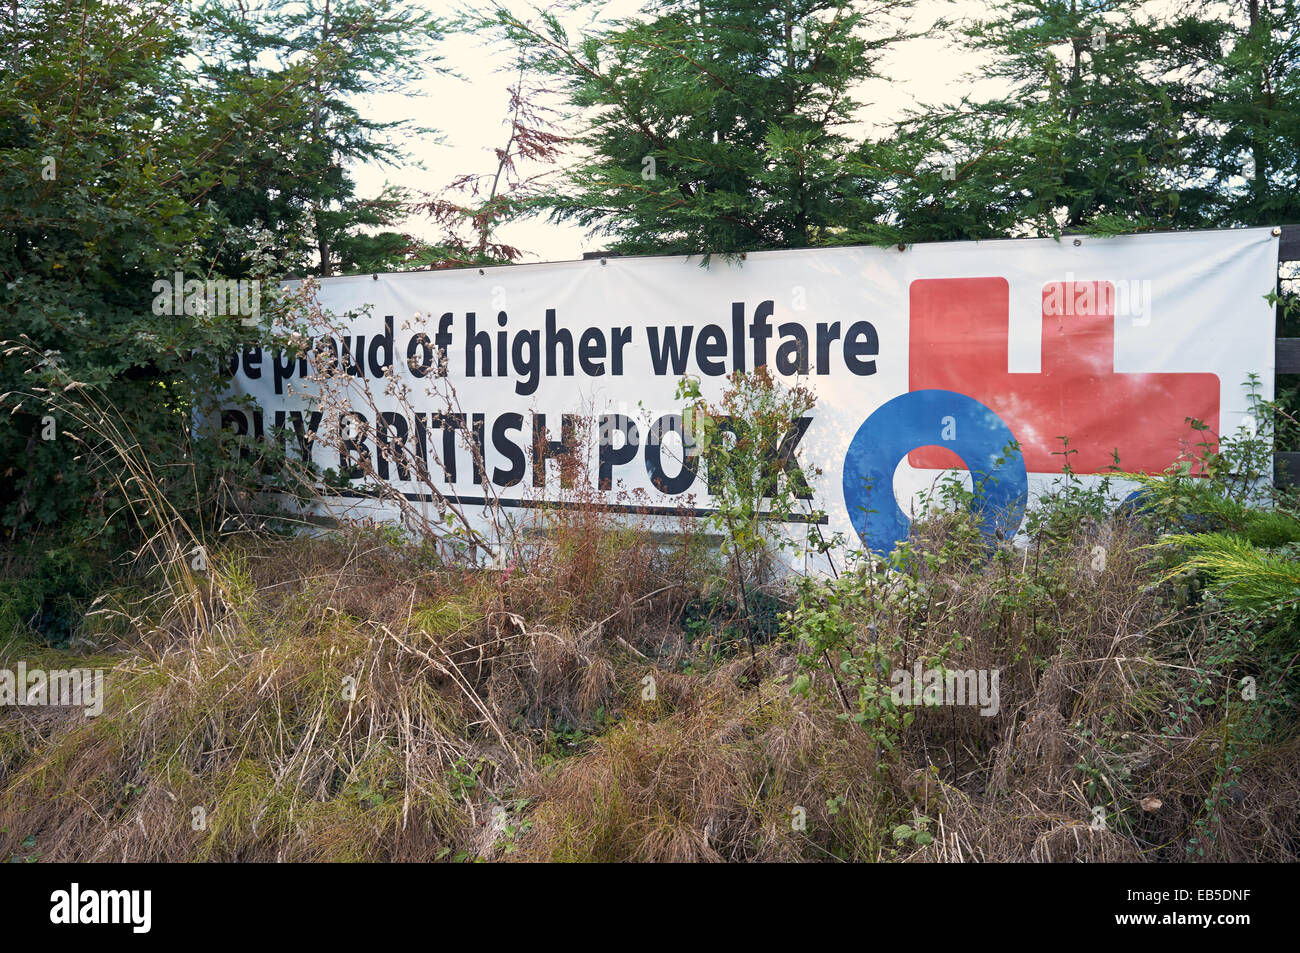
(941, 418)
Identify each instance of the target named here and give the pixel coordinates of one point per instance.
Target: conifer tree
(294, 175)
(1115, 119)
(714, 125)
(1094, 132)
(1253, 148)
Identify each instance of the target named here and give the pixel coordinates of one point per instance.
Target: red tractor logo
(959, 343)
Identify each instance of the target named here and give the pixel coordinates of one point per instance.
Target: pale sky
(469, 113)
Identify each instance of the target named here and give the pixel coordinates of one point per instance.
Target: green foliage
(915, 833)
(286, 169)
(746, 444)
(716, 624)
(1115, 120)
(179, 154)
(831, 625)
(1089, 134)
(98, 195)
(45, 591)
(712, 128)
(1253, 580)
(1224, 523)
(708, 129)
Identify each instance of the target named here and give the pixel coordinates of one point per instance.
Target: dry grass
(503, 714)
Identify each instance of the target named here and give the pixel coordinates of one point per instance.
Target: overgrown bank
(608, 696)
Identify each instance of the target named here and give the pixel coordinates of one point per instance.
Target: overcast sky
(469, 112)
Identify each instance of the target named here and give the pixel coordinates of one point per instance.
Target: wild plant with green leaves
(746, 443)
(1225, 523)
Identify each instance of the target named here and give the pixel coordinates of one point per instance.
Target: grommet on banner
(604, 262)
(1276, 231)
(375, 277)
(1078, 242)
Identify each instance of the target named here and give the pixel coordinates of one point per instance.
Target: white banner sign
(921, 360)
